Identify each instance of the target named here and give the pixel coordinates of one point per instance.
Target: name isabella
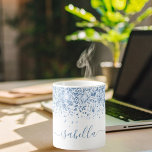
(87, 132)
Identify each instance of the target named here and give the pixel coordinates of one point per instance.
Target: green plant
(114, 24)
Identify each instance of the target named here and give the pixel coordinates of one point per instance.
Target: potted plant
(113, 25)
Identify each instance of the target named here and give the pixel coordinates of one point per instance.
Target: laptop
(131, 105)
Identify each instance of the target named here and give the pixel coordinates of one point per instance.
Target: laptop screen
(134, 83)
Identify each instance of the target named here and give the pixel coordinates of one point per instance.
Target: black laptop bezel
(134, 32)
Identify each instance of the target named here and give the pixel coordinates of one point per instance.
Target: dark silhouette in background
(42, 27)
(1, 40)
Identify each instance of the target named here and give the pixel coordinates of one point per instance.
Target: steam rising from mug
(85, 60)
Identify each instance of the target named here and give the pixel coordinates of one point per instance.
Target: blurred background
(32, 40)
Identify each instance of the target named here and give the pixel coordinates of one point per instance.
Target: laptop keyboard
(126, 113)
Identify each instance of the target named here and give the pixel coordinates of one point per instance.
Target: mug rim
(87, 84)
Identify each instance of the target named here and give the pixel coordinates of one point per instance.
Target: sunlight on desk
(28, 128)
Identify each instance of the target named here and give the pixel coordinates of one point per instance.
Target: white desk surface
(27, 128)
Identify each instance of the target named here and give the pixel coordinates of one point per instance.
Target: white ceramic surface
(78, 115)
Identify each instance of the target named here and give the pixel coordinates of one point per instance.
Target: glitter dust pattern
(79, 102)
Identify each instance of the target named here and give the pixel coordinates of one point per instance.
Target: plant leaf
(135, 6)
(113, 18)
(91, 24)
(85, 24)
(88, 34)
(98, 5)
(143, 27)
(108, 4)
(80, 13)
(114, 36)
(144, 15)
(119, 4)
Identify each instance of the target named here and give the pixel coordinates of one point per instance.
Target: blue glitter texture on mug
(79, 102)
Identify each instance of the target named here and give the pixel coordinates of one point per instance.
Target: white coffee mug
(78, 115)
